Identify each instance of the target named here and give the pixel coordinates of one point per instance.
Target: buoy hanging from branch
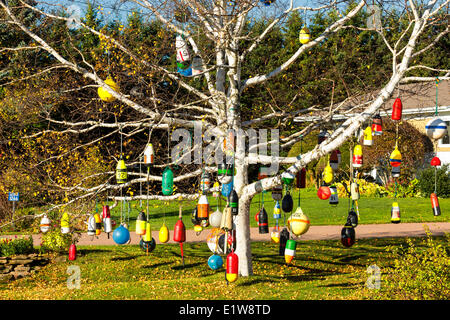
(304, 35)
(436, 128)
(104, 94)
(45, 224)
(106, 218)
(395, 213)
(397, 110)
(149, 155)
(167, 181)
(368, 139)
(65, 227)
(232, 267)
(163, 234)
(121, 172)
(289, 252)
(348, 235)
(357, 159)
(179, 233)
(435, 205)
(377, 125)
(298, 222)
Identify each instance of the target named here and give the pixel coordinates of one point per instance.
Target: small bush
(9, 247)
(418, 272)
(426, 181)
(55, 241)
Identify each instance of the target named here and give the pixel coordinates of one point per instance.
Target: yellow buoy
(298, 222)
(65, 227)
(304, 36)
(105, 95)
(327, 174)
(163, 234)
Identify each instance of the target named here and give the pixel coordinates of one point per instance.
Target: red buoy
(435, 204)
(301, 178)
(232, 267)
(435, 162)
(179, 233)
(397, 110)
(324, 192)
(72, 252)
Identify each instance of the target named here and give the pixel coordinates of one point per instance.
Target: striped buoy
(289, 252)
(436, 128)
(396, 158)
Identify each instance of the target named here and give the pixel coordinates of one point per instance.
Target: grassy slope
(321, 270)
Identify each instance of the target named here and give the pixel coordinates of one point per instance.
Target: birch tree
(215, 101)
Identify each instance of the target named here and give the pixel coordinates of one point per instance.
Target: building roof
(418, 100)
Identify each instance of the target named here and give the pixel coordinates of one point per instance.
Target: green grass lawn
(372, 210)
(320, 270)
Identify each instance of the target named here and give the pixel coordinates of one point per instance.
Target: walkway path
(363, 231)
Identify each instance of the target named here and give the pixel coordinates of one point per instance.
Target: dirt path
(314, 233)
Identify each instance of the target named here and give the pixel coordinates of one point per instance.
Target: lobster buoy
(277, 192)
(357, 159)
(121, 172)
(348, 235)
(334, 160)
(216, 188)
(396, 158)
(233, 201)
(203, 208)
(232, 267)
(301, 178)
(121, 235)
(106, 217)
(205, 182)
(298, 222)
(324, 192)
(368, 139)
(435, 204)
(227, 188)
(91, 225)
(263, 221)
(275, 234)
(104, 94)
(147, 246)
(149, 155)
(397, 110)
(72, 252)
(277, 211)
(327, 174)
(215, 262)
(182, 49)
(377, 125)
(352, 219)
(163, 234)
(216, 241)
(304, 35)
(436, 128)
(65, 227)
(284, 237)
(287, 178)
(179, 232)
(435, 162)
(287, 203)
(354, 191)
(334, 199)
(98, 224)
(289, 251)
(141, 224)
(215, 218)
(395, 213)
(197, 65)
(224, 173)
(167, 181)
(227, 221)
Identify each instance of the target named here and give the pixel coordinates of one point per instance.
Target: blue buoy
(227, 188)
(121, 235)
(215, 262)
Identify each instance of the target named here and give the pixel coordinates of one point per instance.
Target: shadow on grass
(186, 266)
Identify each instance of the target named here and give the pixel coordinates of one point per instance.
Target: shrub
(419, 272)
(9, 247)
(55, 241)
(426, 181)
